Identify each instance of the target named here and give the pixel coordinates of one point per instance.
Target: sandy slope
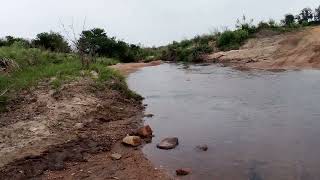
(69, 134)
(293, 50)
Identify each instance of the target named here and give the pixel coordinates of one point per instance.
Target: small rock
(168, 143)
(183, 172)
(94, 74)
(132, 140)
(79, 125)
(145, 131)
(116, 156)
(203, 147)
(148, 115)
(148, 140)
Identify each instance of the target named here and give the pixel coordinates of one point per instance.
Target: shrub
(232, 39)
(96, 43)
(305, 15)
(10, 40)
(263, 25)
(245, 25)
(288, 20)
(51, 41)
(317, 14)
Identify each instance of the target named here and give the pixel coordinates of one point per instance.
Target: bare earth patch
(293, 50)
(69, 134)
(128, 68)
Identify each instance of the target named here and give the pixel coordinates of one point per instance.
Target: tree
(317, 14)
(10, 40)
(95, 42)
(305, 15)
(51, 41)
(288, 19)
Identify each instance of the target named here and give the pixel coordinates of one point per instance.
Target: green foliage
(289, 19)
(113, 79)
(188, 50)
(51, 41)
(305, 16)
(10, 40)
(96, 43)
(246, 25)
(36, 65)
(106, 61)
(232, 39)
(317, 14)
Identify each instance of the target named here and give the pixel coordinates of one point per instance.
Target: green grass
(36, 65)
(229, 40)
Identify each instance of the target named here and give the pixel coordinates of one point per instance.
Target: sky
(149, 22)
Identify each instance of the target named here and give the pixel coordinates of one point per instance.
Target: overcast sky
(150, 22)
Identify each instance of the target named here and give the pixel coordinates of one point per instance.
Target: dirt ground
(70, 133)
(292, 50)
(128, 68)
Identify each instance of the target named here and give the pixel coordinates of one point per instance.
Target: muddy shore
(70, 133)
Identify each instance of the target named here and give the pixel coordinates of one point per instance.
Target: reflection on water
(257, 124)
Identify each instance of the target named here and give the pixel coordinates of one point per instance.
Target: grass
(232, 39)
(188, 50)
(36, 65)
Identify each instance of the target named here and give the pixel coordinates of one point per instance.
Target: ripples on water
(257, 124)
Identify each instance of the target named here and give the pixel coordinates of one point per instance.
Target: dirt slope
(69, 133)
(293, 50)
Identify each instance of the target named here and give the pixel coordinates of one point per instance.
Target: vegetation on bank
(193, 50)
(22, 68)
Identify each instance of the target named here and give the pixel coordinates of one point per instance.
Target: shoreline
(90, 128)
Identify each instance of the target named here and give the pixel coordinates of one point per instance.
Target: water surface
(257, 124)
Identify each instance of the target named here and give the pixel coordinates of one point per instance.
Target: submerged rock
(168, 143)
(183, 171)
(203, 147)
(145, 131)
(148, 115)
(132, 140)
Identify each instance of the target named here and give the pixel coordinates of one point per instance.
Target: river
(258, 125)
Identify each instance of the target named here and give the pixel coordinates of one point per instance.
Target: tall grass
(36, 65)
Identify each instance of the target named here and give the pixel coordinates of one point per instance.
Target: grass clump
(232, 39)
(188, 50)
(36, 65)
(113, 79)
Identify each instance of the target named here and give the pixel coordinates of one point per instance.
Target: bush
(51, 41)
(289, 19)
(96, 43)
(10, 40)
(232, 39)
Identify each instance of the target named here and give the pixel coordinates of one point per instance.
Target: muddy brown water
(258, 125)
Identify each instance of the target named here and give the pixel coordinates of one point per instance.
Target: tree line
(306, 16)
(92, 43)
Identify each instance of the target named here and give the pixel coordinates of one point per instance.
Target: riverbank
(127, 68)
(70, 132)
(271, 50)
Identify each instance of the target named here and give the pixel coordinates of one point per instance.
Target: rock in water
(203, 147)
(132, 140)
(148, 115)
(183, 172)
(168, 143)
(116, 156)
(145, 131)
